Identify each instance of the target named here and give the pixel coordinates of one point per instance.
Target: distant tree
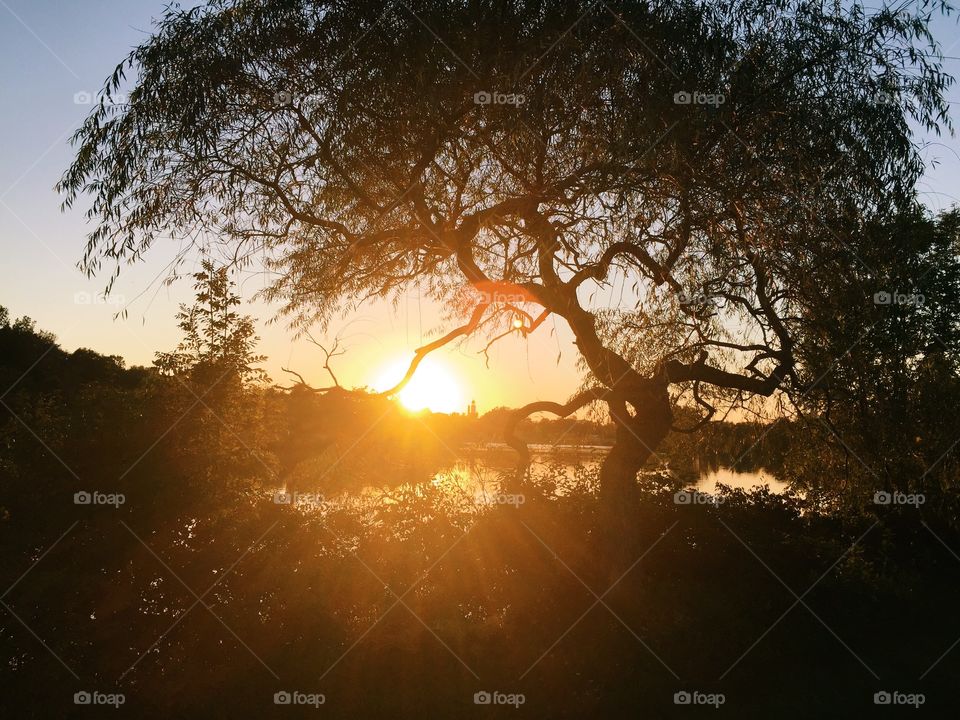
(27, 354)
(522, 161)
(212, 392)
(218, 344)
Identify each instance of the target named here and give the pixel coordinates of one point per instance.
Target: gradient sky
(49, 52)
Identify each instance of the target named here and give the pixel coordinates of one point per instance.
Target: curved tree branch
(421, 352)
(571, 406)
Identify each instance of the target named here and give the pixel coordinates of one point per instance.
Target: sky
(51, 54)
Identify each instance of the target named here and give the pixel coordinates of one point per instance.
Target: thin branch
(711, 411)
(421, 352)
(328, 354)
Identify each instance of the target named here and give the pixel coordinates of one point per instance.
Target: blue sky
(49, 52)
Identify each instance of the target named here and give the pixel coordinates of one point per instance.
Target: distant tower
(472, 409)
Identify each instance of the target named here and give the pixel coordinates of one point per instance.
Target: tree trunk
(639, 433)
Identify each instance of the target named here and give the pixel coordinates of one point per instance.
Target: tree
(520, 160)
(210, 391)
(885, 347)
(218, 344)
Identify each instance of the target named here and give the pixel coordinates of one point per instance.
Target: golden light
(433, 387)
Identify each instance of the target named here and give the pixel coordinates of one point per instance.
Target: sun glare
(433, 387)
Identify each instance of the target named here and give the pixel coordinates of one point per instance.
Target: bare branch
(421, 352)
(328, 354)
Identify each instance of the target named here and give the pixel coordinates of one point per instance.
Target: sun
(433, 387)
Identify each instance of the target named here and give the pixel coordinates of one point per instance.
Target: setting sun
(433, 387)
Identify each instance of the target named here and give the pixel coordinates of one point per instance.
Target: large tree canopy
(702, 159)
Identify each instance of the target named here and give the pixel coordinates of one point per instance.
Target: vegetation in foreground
(408, 608)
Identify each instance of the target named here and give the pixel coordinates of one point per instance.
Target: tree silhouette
(887, 366)
(210, 383)
(218, 344)
(522, 161)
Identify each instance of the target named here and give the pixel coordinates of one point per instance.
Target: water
(476, 475)
(739, 480)
(478, 471)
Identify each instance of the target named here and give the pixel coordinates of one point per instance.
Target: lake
(477, 473)
(479, 469)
